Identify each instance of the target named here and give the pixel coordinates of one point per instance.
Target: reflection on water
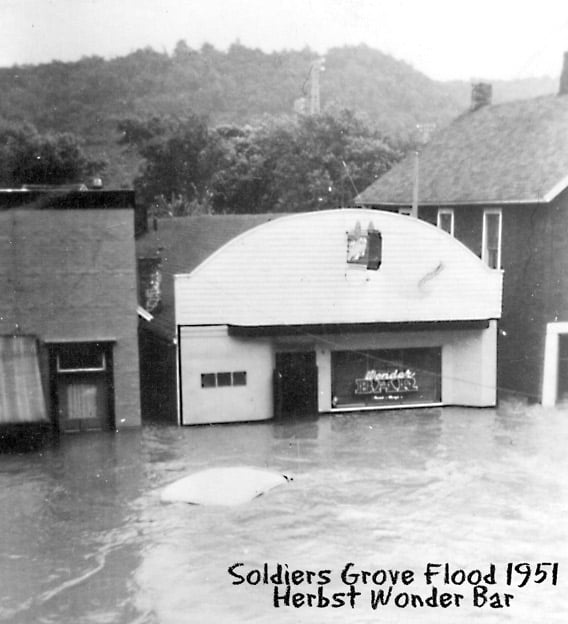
(86, 538)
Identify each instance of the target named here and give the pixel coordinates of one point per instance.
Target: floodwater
(86, 539)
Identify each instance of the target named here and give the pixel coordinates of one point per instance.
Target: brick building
(68, 321)
(497, 179)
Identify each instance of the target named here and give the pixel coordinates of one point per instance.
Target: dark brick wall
(69, 274)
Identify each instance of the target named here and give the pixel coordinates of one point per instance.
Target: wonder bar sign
(386, 377)
(379, 382)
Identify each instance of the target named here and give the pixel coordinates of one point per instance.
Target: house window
(446, 220)
(407, 211)
(491, 243)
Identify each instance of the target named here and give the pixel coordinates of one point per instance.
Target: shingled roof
(516, 152)
(182, 244)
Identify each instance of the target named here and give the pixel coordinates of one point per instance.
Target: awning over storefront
(353, 328)
(21, 392)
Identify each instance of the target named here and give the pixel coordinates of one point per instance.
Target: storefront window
(386, 377)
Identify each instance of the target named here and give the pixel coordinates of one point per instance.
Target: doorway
(81, 386)
(562, 396)
(295, 384)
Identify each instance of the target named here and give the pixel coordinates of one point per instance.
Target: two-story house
(497, 179)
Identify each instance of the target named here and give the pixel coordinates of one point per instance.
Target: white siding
(468, 361)
(293, 271)
(206, 350)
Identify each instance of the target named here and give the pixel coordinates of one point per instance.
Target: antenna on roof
(349, 176)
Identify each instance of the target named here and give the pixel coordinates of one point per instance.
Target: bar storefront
(339, 310)
(386, 377)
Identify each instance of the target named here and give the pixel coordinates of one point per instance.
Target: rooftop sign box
(364, 248)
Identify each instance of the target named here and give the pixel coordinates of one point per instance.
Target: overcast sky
(445, 39)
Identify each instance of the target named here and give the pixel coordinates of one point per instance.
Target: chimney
(481, 93)
(563, 88)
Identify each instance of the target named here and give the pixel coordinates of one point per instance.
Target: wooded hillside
(89, 97)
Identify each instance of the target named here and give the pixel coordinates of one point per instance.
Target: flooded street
(86, 539)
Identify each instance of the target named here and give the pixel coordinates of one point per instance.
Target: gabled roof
(516, 152)
(183, 243)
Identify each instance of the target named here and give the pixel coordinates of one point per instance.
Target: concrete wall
(69, 275)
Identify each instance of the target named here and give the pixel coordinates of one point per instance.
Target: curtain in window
(21, 392)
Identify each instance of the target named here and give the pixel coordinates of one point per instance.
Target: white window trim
(491, 211)
(550, 373)
(446, 211)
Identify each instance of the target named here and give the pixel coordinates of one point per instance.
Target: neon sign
(383, 382)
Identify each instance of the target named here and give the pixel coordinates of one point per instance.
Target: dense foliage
(237, 87)
(286, 165)
(28, 157)
(240, 86)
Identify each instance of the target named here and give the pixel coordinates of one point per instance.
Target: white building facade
(340, 310)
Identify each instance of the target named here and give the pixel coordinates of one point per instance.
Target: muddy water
(85, 537)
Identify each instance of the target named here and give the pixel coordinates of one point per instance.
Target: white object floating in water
(223, 486)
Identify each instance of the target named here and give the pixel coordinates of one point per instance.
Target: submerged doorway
(562, 388)
(81, 386)
(295, 384)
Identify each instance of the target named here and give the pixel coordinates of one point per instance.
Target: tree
(284, 165)
(28, 157)
(323, 161)
(177, 157)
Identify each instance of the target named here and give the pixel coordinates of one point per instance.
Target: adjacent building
(68, 312)
(497, 180)
(331, 311)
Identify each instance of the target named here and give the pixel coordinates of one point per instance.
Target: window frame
(223, 379)
(99, 348)
(239, 378)
(484, 250)
(446, 211)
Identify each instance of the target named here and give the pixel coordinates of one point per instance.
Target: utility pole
(423, 133)
(315, 70)
(301, 105)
